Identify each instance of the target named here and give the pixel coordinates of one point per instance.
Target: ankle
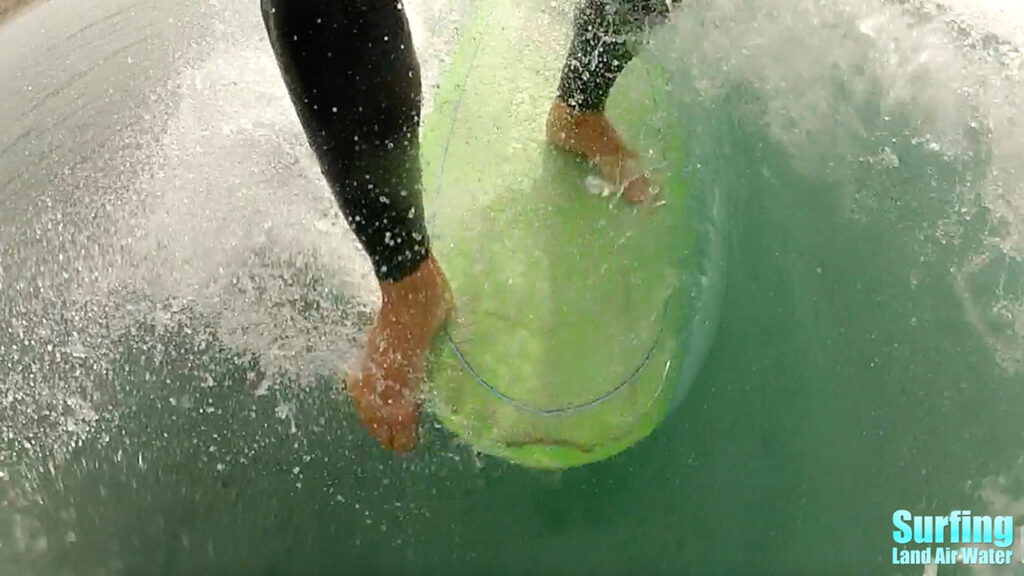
(426, 286)
(558, 121)
(587, 133)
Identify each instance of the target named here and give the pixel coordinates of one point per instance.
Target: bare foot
(385, 383)
(592, 136)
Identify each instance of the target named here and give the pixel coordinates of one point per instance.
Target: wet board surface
(569, 303)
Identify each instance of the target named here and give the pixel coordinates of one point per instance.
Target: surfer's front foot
(591, 135)
(385, 383)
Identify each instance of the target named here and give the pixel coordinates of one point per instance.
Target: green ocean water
(177, 290)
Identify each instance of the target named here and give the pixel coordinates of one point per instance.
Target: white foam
(827, 76)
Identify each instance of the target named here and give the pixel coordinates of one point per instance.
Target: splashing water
(177, 289)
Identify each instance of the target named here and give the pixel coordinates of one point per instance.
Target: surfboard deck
(564, 348)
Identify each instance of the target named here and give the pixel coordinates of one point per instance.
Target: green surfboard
(572, 335)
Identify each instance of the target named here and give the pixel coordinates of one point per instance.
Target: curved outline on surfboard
(521, 405)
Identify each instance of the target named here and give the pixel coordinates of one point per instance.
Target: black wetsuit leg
(603, 34)
(352, 74)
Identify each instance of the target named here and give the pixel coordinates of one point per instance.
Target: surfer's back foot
(385, 383)
(591, 135)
